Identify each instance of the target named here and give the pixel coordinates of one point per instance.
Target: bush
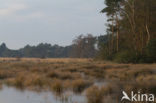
(127, 57)
(57, 86)
(151, 51)
(94, 95)
(148, 55)
(79, 85)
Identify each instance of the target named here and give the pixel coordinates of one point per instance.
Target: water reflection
(12, 95)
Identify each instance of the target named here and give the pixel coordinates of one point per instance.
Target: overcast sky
(49, 21)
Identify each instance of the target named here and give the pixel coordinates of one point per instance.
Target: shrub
(53, 74)
(94, 95)
(35, 80)
(19, 81)
(57, 86)
(3, 74)
(148, 56)
(126, 57)
(79, 85)
(151, 51)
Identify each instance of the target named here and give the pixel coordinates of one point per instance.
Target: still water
(13, 95)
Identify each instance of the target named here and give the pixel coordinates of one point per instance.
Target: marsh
(71, 80)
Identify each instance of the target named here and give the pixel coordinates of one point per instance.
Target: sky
(32, 22)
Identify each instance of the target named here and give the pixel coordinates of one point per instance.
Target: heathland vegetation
(130, 38)
(102, 82)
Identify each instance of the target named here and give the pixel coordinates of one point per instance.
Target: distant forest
(130, 37)
(82, 47)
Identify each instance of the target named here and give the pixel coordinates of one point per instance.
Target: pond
(13, 95)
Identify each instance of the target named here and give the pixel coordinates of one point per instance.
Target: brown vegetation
(59, 75)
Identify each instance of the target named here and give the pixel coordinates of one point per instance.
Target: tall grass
(79, 75)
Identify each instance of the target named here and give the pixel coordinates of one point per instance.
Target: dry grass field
(102, 82)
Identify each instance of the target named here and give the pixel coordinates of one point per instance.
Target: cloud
(17, 12)
(11, 9)
(35, 15)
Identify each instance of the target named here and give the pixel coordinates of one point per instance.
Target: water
(12, 95)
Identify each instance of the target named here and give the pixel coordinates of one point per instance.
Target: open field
(100, 81)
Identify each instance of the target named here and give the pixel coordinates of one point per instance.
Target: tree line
(131, 32)
(82, 47)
